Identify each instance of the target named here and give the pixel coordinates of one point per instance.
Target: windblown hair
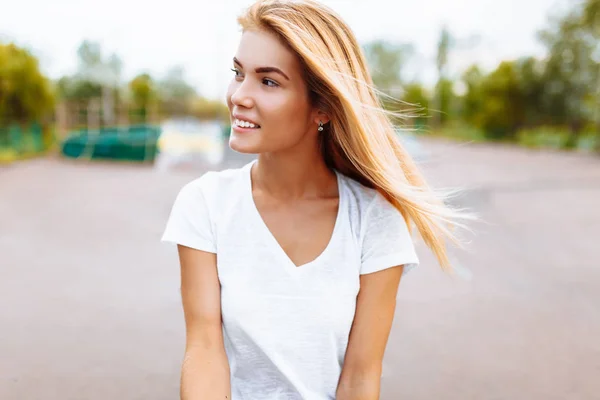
(360, 140)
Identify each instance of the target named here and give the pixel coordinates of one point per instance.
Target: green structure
(19, 141)
(131, 143)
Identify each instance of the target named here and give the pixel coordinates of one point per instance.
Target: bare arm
(375, 306)
(205, 369)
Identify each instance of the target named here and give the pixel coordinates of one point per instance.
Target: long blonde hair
(360, 140)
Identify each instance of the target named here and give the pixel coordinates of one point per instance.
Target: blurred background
(108, 108)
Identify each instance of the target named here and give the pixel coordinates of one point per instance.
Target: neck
(294, 174)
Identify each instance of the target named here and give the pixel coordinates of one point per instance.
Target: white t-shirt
(285, 327)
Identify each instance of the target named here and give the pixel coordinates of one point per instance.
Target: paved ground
(90, 307)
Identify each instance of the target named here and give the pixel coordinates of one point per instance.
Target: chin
(243, 144)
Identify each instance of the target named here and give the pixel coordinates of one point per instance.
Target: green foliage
(19, 141)
(460, 131)
(572, 71)
(143, 93)
(175, 93)
(529, 74)
(71, 88)
(553, 137)
(25, 93)
(589, 142)
(473, 101)
(415, 95)
(502, 111)
(174, 96)
(557, 137)
(445, 99)
(560, 90)
(94, 72)
(205, 109)
(443, 94)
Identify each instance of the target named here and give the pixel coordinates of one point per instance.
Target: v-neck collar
(266, 232)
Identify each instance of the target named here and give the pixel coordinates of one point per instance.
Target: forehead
(265, 49)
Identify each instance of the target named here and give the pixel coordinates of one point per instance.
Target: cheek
(285, 111)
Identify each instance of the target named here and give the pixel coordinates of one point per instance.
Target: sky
(202, 36)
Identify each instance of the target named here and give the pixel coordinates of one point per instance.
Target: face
(268, 89)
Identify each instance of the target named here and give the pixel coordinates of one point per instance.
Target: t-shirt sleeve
(189, 222)
(387, 242)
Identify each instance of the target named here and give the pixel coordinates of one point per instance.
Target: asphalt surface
(90, 306)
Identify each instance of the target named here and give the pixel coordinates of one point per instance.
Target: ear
(320, 116)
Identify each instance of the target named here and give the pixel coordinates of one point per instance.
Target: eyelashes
(270, 82)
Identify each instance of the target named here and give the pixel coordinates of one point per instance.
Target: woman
(290, 265)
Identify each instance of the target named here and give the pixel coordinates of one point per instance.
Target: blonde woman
(290, 265)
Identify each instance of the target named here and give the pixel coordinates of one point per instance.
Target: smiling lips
(245, 124)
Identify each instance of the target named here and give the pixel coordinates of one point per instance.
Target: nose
(241, 95)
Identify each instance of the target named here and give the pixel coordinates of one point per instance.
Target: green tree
(572, 69)
(72, 88)
(415, 93)
(416, 96)
(94, 72)
(473, 101)
(206, 109)
(529, 73)
(591, 25)
(97, 76)
(175, 94)
(25, 93)
(502, 112)
(443, 90)
(445, 103)
(143, 93)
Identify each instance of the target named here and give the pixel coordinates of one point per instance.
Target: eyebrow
(263, 69)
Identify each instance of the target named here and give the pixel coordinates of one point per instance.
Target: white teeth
(245, 124)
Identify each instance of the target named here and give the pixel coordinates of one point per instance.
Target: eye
(270, 83)
(237, 72)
